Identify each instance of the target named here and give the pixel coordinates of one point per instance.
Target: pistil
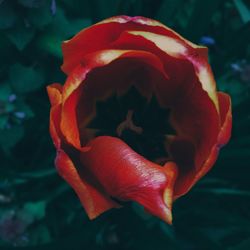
(128, 124)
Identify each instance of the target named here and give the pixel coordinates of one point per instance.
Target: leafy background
(38, 210)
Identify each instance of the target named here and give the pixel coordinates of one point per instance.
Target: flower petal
(93, 201)
(226, 118)
(178, 48)
(175, 85)
(55, 116)
(85, 41)
(108, 31)
(190, 118)
(169, 41)
(224, 134)
(88, 77)
(192, 175)
(55, 93)
(126, 175)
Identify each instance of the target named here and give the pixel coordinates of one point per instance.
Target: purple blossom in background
(11, 226)
(53, 7)
(207, 41)
(242, 69)
(12, 98)
(245, 74)
(20, 115)
(236, 67)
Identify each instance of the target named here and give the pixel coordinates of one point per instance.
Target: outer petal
(93, 201)
(108, 31)
(226, 118)
(55, 116)
(191, 116)
(224, 134)
(179, 48)
(176, 85)
(126, 175)
(186, 181)
(55, 93)
(197, 123)
(55, 96)
(169, 41)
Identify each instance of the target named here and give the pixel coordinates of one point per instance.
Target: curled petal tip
(55, 93)
(128, 176)
(93, 200)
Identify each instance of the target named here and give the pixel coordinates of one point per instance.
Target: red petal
(85, 41)
(224, 134)
(108, 31)
(126, 175)
(55, 116)
(176, 47)
(163, 37)
(55, 96)
(195, 134)
(187, 179)
(93, 201)
(114, 75)
(55, 93)
(226, 118)
(169, 89)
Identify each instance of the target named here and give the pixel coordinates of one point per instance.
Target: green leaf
(20, 36)
(40, 235)
(59, 30)
(9, 107)
(31, 3)
(51, 44)
(77, 25)
(64, 28)
(103, 9)
(243, 245)
(39, 173)
(25, 79)
(243, 10)
(9, 137)
(40, 17)
(167, 11)
(36, 210)
(223, 192)
(3, 121)
(5, 91)
(201, 18)
(7, 15)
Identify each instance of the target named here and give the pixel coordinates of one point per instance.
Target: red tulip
(190, 118)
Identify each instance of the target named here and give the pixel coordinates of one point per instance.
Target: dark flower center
(141, 123)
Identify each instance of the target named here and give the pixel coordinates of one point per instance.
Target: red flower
(184, 128)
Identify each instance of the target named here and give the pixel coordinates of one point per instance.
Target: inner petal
(125, 87)
(140, 122)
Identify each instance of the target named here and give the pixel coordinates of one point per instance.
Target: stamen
(128, 124)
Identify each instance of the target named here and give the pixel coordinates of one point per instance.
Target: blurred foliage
(37, 209)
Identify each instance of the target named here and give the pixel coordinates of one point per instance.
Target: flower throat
(142, 124)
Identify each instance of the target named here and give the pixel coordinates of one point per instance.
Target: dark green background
(38, 210)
